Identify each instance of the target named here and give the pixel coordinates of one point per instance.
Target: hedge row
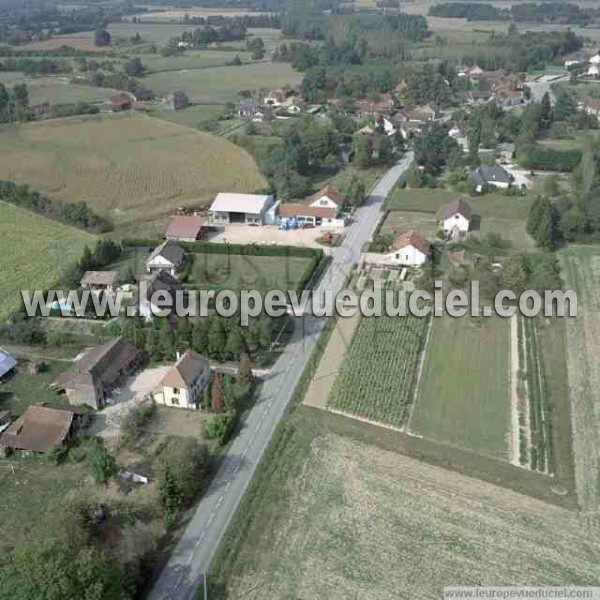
(237, 249)
(550, 159)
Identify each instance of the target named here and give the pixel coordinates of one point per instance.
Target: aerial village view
(180, 183)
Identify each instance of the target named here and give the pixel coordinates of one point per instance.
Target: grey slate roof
(170, 250)
(490, 174)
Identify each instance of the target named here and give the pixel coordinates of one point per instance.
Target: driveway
(106, 422)
(270, 234)
(191, 558)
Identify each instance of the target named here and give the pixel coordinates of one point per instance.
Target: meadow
(379, 373)
(237, 272)
(487, 205)
(222, 84)
(135, 169)
(35, 251)
(191, 59)
(56, 90)
(501, 215)
(581, 273)
(23, 389)
(463, 396)
(329, 516)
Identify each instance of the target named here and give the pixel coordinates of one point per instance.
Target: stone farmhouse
(97, 372)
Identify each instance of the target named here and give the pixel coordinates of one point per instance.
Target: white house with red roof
(409, 249)
(328, 197)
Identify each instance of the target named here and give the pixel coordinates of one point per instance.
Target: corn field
(380, 371)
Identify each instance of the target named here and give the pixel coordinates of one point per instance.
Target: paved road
(184, 571)
(539, 88)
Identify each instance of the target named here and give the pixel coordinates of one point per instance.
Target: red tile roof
(294, 210)
(38, 429)
(331, 193)
(411, 238)
(184, 227)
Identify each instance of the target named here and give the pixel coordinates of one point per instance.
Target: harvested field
(35, 251)
(379, 373)
(333, 517)
(581, 272)
(135, 169)
(464, 392)
(397, 222)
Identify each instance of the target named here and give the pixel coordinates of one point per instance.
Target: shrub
(219, 427)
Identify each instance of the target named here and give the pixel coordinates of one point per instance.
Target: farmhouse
(166, 257)
(184, 228)
(185, 382)
(97, 372)
(315, 216)
(328, 197)
(99, 281)
(7, 362)
(148, 305)
(177, 100)
(454, 218)
(121, 101)
(409, 249)
(39, 429)
(249, 209)
(493, 175)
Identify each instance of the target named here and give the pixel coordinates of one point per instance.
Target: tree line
(77, 214)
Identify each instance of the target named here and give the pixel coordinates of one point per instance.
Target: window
(323, 201)
(176, 391)
(175, 401)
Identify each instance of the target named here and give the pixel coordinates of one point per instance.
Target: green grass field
(190, 116)
(23, 389)
(581, 273)
(56, 90)
(136, 169)
(193, 59)
(34, 251)
(502, 215)
(380, 369)
(464, 391)
(29, 489)
(488, 205)
(335, 517)
(235, 272)
(222, 84)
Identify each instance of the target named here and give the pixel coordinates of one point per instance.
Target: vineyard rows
(378, 376)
